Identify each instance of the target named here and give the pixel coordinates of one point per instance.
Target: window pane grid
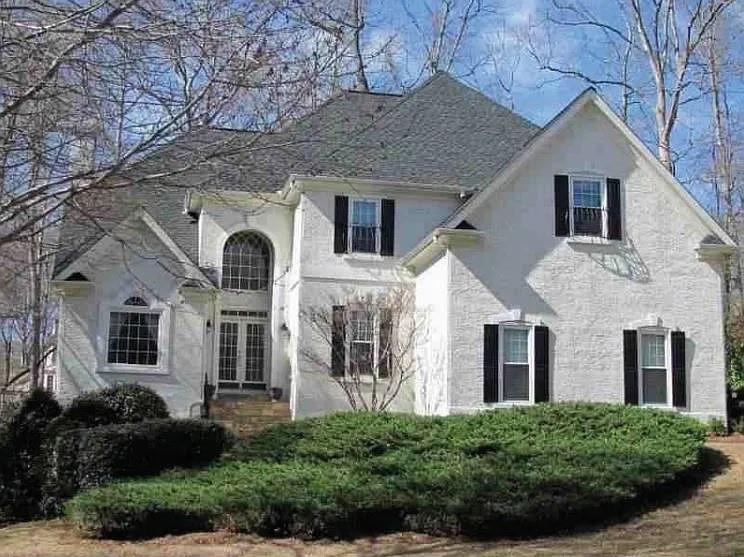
(515, 346)
(133, 338)
(587, 193)
(653, 351)
(587, 207)
(254, 352)
(228, 359)
(245, 262)
(364, 226)
(361, 355)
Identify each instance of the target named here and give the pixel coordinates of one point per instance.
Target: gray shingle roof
(442, 132)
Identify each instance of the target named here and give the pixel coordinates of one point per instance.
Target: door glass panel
(255, 338)
(228, 360)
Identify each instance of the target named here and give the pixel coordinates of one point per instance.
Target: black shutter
(387, 227)
(341, 224)
(630, 351)
(542, 347)
(614, 218)
(490, 363)
(562, 221)
(338, 342)
(384, 352)
(679, 382)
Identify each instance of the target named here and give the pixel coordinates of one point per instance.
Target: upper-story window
(246, 262)
(588, 205)
(133, 334)
(364, 225)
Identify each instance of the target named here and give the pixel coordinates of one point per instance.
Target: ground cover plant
(529, 469)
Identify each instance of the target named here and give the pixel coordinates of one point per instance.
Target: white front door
(243, 350)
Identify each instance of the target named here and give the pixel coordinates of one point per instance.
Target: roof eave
(437, 242)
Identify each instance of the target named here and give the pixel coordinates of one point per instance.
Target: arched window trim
(246, 262)
(136, 301)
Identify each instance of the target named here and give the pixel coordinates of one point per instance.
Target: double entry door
(243, 350)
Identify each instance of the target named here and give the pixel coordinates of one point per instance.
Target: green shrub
(134, 403)
(22, 467)
(536, 468)
(716, 426)
(87, 457)
(737, 425)
(90, 410)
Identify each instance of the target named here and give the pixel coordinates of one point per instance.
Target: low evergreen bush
(87, 457)
(523, 470)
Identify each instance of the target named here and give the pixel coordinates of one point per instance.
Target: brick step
(247, 416)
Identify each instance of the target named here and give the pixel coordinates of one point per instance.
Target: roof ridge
(378, 93)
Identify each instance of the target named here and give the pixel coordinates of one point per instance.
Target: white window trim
(242, 322)
(603, 192)
(530, 360)
(378, 227)
(163, 363)
(667, 362)
(375, 375)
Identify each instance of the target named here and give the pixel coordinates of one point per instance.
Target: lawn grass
(529, 470)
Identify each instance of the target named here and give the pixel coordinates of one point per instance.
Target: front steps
(245, 416)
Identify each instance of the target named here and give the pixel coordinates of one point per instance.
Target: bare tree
(444, 33)
(667, 35)
(366, 344)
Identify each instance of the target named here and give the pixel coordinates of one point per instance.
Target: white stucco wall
(220, 218)
(326, 278)
(433, 347)
(587, 294)
(142, 266)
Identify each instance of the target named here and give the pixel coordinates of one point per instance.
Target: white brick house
(562, 263)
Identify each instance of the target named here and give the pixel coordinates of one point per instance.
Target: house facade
(554, 264)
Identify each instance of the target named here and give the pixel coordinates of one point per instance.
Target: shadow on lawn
(712, 463)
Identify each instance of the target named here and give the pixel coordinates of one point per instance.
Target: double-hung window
(133, 334)
(588, 206)
(364, 225)
(515, 375)
(654, 371)
(362, 343)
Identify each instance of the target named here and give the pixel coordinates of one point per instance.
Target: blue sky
(496, 59)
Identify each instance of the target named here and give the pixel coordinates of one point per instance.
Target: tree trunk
(358, 18)
(36, 294)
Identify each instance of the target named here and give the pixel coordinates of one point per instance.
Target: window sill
(509, 404)
(591, 240)
(362, 256)
(132, 369)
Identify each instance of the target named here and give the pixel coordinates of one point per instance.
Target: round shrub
(523, 470)
(89, 410)
(22, 466)
(133, 403)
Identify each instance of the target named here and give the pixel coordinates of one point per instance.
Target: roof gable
(443, 132)
(559, 123)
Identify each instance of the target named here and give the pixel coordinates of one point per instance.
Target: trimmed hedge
(531, 469)
(22, 466)
(84, 458)
(133, 403)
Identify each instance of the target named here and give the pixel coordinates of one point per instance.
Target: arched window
(245, 262)
(136, 301)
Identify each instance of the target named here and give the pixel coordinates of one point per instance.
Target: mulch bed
(732, 438)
